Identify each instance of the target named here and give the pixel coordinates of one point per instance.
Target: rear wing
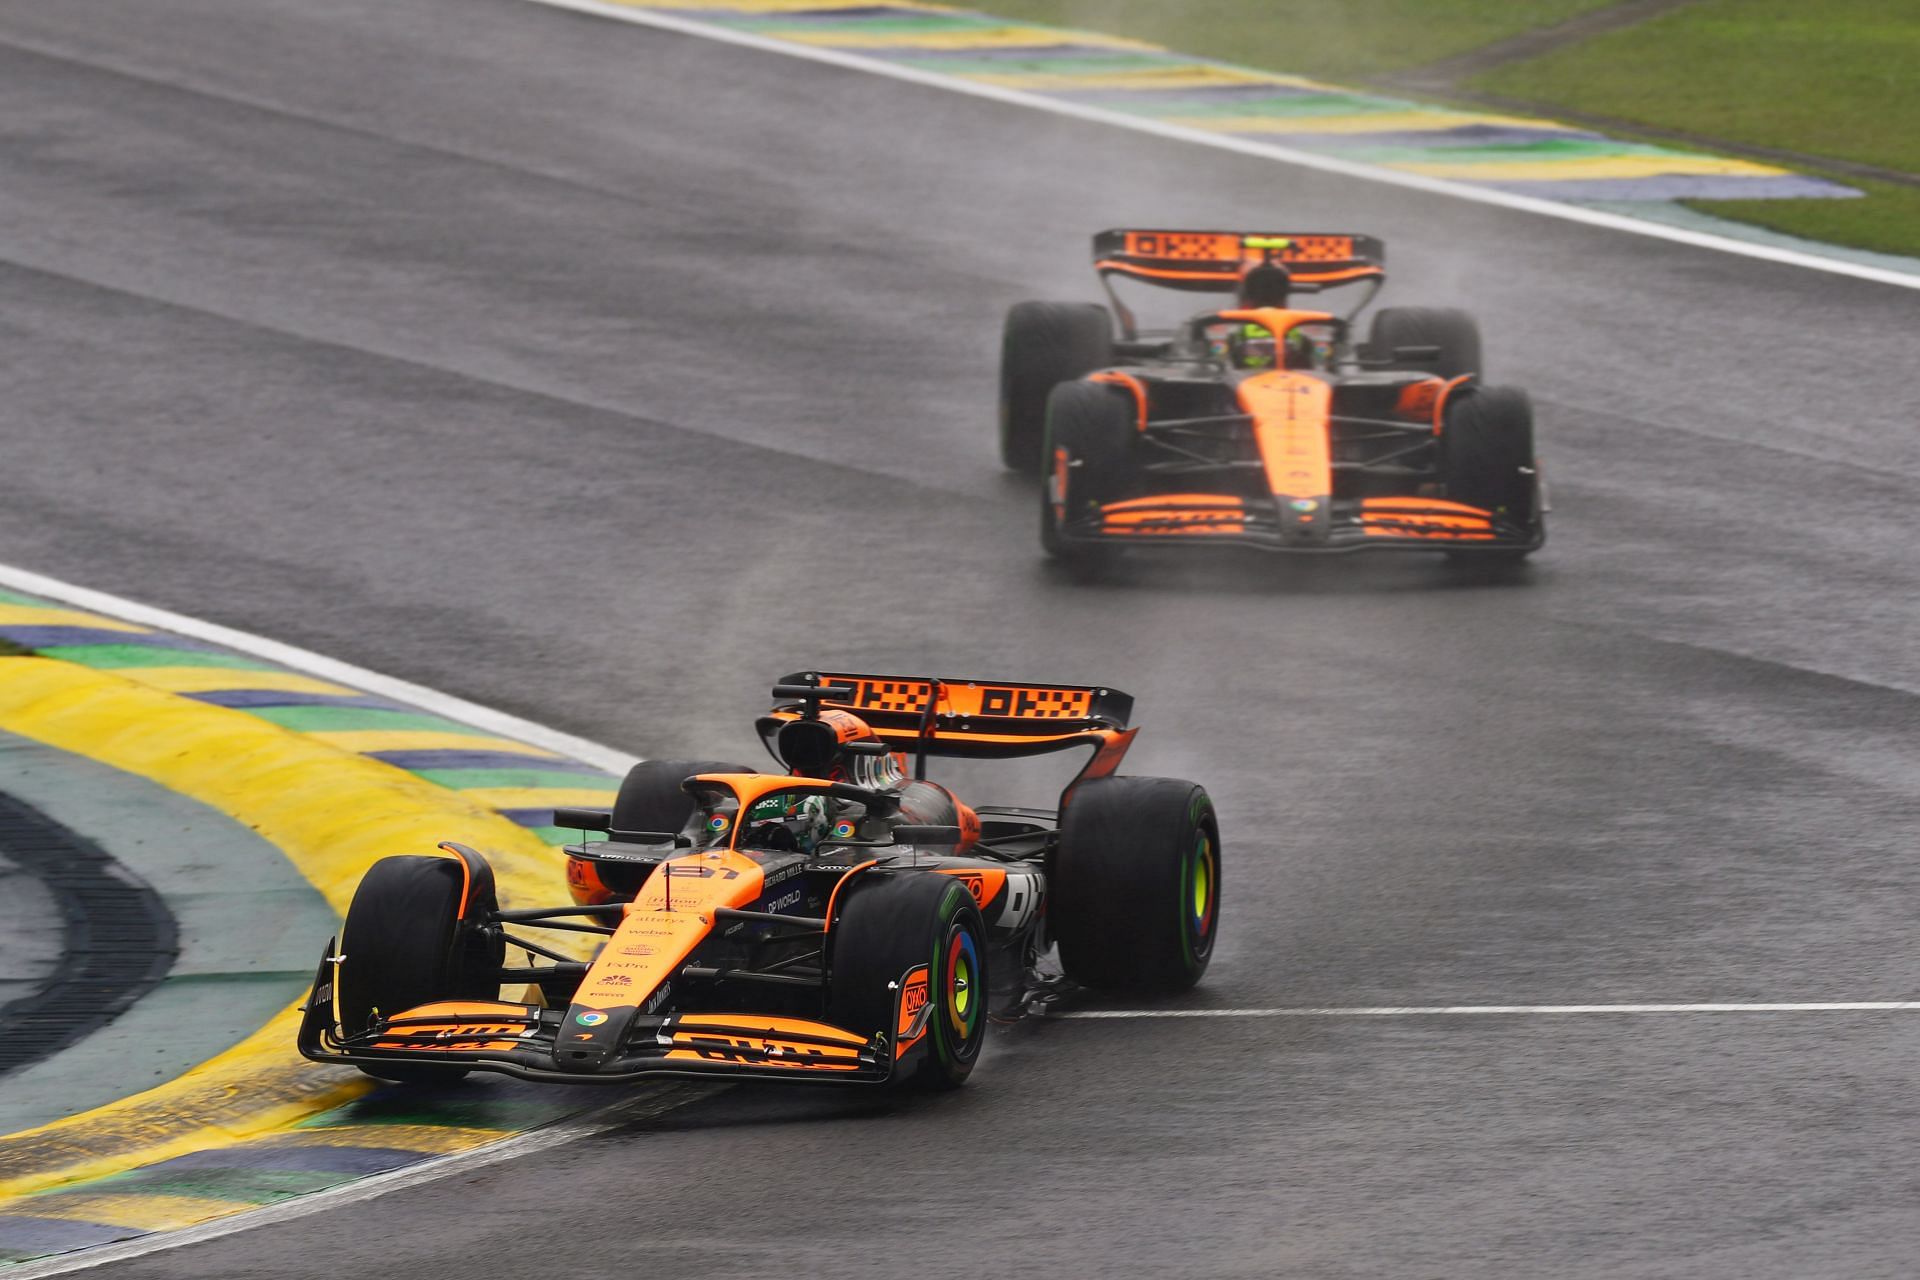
(970, 719)
(1214, 261)
(970, 713)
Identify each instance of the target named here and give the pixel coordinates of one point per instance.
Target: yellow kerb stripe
(33, 615)
(774, 6)
(142, 1212)
(981, 38)
(541, 797)
(1357, 122)
(1593, 167)
(432, 1139)
(1146, 78)
(366, 741)
(332, 814)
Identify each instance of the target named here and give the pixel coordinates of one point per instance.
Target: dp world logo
(590, 1018)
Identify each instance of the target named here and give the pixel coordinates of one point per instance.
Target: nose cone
(590, 1037)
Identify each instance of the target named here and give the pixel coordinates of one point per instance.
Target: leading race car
(843, 920)
(1262, 424)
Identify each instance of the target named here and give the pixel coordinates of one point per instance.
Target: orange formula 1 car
(1263, 424)
(842, 920)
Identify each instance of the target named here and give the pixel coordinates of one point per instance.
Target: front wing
(521, 1039)
(1343, 525)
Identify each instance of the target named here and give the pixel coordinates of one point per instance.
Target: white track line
(1455, 1010)
(1244, 146)
(652, 1104)
(315, 664)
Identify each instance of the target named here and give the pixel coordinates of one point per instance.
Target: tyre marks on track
(119, 938)
(334, 775)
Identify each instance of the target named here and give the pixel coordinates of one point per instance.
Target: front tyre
(1135, 884)
(415, 935)
(1043, 345)
(1487, 458)
(1090, 436)
(892, 930)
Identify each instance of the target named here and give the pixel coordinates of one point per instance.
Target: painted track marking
(1456, 1010)
(627, 1111)
(486, 718)
(1244, 146)
(499, 723)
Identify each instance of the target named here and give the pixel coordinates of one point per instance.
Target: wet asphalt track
(604, 375)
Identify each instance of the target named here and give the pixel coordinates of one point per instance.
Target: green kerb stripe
(780, 26)
(1087, 65)
(465, 779)
(111, 656)
(244, 1186)
(342, 719)
(1518, 152)
(1304, 104)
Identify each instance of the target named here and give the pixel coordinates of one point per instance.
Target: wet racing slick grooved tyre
(1487, 460)
(650, 797)
(1135, 884)
(1043, 345)
(405, 944)
(1090, 433)
(1453, 331)
(890, 925)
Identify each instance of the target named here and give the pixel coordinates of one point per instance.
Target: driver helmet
(1251, 346)
(803, 818)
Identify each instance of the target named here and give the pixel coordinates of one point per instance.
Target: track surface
(604, 375)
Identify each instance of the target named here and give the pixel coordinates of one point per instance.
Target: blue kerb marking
(50, 637)
(292, 1159)
(528, 817)
(244, 698)
(28, 1236)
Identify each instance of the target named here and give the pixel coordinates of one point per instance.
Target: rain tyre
(1091, 429)
(890, 926)
(1487, 459)
(1043, 345)
(1135, 884)
(407, 942)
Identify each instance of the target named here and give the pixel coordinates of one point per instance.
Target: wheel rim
(1202, 897)
(960, 991)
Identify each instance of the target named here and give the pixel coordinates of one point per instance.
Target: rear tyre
(1487, 459)
(891, 925)
(1043, 345)
(410, 940)
(650, 797)
(1455, 332)
(1090, 434)
(1136, 884)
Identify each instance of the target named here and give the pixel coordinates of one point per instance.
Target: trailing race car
(1261, 424)
(842, 921)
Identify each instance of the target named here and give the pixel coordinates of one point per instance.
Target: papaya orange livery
(843, 919)
(1262, 422)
